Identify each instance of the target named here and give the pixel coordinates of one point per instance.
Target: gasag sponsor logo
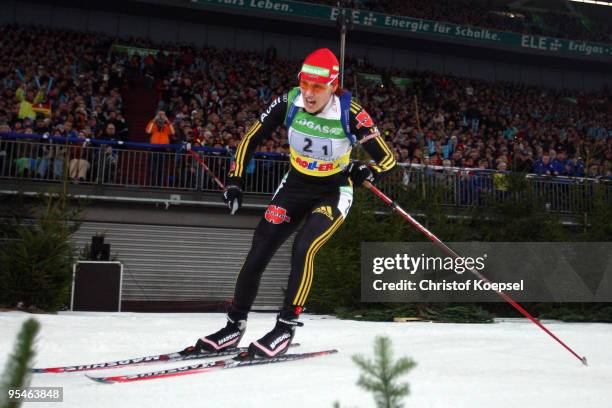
(329, 130)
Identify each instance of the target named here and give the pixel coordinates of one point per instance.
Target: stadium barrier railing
(115, 163)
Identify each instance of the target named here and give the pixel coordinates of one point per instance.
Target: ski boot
(226, 338)
(277, 341)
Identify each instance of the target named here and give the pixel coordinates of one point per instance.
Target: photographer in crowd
(161, 132)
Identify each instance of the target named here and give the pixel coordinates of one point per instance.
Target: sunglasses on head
(313, 87)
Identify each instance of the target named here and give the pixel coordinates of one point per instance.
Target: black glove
(359, 172)
(232, 195)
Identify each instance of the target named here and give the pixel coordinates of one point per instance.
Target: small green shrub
(16, 374)
(380, 376)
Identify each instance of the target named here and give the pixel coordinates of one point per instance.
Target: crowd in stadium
(214, 96)
(61, 83)
(210, 97)
(468, 12)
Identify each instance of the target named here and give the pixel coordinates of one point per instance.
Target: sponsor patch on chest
(313, 165)
(317, 127)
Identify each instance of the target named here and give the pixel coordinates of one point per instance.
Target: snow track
(507, 364)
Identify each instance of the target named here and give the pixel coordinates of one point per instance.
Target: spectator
(59, 159)
(120, 127)
(574, 167)
(45, 161)
(109, 132)
(26, 99)
(160, 129)
(500, 179)
(110, 160)
(524, 162)
(23, 164)
(542, 166)
(558, 164)
(79, 165)
(162, 132)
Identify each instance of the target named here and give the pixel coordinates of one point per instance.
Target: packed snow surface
(511, 363)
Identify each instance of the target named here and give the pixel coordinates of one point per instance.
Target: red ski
(183, 355)
(241, 360)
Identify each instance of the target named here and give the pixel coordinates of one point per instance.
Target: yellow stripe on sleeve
(389, 161)
(243, 148)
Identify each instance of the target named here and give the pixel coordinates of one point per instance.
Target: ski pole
(219, 182)
(201, 162)
(452, 253)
